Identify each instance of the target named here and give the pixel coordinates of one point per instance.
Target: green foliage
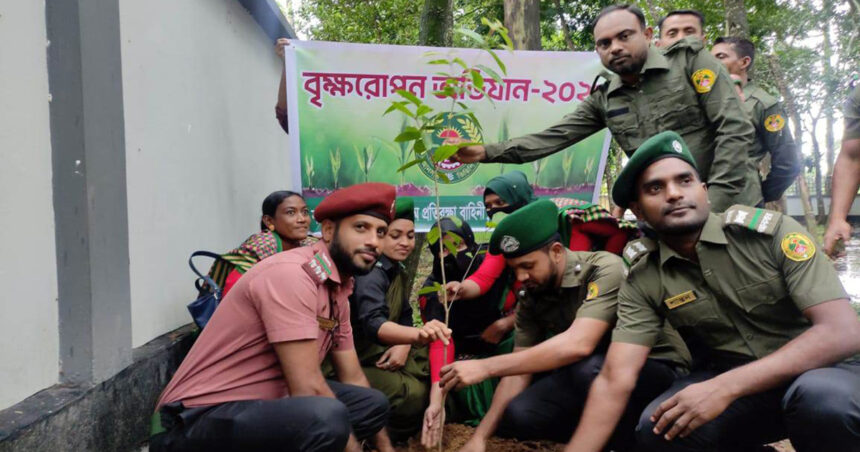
(366, 21)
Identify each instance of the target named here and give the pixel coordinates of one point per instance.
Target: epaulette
(605, 76)
(318, 268)
(767, 100)
(762, 221)
(635, 251)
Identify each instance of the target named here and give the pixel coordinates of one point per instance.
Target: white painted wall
(203, 147)
(28, 275)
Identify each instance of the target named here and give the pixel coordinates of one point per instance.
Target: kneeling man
(252, 381)
(762, 311)
(562, 324)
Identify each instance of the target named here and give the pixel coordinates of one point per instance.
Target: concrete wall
(28, 275)
(203, 147)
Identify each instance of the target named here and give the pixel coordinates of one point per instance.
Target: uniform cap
(529, 228)
(666, 144)
(404, 208)
(371, 198)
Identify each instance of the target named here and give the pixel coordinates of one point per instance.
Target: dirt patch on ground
(456, 435)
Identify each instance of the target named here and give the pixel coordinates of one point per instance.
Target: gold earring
(272, 227)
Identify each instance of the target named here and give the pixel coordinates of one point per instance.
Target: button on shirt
(713, 123)
(743, 300)
(589, 289)
(286, 297)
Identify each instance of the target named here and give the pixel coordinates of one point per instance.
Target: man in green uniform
(772, 133)
(686, 90)
(846, 177)
(764, 315)
(563, 320)
(680, 24)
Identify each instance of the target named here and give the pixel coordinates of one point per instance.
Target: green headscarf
(513, 188)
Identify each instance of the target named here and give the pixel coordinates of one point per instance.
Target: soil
(456, 435)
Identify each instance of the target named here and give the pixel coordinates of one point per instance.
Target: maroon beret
(371, 198)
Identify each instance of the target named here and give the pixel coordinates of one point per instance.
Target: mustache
(669, 209)
(616, 58)
(368, 251)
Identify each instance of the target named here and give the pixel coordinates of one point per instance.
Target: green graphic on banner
(337, 93)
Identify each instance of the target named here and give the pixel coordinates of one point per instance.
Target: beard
(544, 288)
(684, 226)
(347, 262)
(631, 65)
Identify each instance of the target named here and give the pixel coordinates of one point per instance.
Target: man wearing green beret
(767, 321)
(563, 318)
(682, 88)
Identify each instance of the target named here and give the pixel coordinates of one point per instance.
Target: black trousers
(819, 412)
(550, 408)
(288, 424)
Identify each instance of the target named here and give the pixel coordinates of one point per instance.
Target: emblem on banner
(455, 126)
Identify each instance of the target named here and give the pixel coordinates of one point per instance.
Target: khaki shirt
(686, 90)
(757, 272)
(773, 136)
(851, 111)
(589, 288)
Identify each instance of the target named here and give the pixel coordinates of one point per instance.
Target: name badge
(680, 299)
(327, 324)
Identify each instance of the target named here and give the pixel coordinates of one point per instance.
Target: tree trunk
(652, 10)
(736, 18)
(816, 157)
(565, 30)
(437, 21)
(522, 19)
(791, 107)
(829, 98)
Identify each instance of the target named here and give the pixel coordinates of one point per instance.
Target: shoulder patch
(592, 292)
(797, 247)
(635, 250)
(774, 123)
(703, 80)
(762, 221)
(318, 268)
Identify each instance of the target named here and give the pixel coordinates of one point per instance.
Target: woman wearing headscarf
(391, 349)
(468, 319)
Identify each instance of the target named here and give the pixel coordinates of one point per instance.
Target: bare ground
(456, 435)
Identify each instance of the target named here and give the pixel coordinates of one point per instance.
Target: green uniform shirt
(852, 116)
(589, 288)
(773, 137)
(757, 271)
(686, 90)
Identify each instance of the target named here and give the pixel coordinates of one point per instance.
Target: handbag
(208, 292)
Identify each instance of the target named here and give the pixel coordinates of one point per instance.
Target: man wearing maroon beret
(252, 381)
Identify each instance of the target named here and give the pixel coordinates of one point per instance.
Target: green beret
(404, 208)
(527, 229)
(663, 145)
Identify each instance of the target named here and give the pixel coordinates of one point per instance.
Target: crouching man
(563, 321)
(763, 312)
(252, 381)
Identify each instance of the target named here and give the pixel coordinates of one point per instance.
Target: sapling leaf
(493, 74)
(471, 35)
(409, 165)
(401, 106)
(501, 65)
(423, 110)
(445, 151)
(408, 135)
(450, 247)
(443, 177)
(430, 289)
(433, 235)
(409, 96)
(440, 61)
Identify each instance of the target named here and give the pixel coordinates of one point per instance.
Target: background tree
(437, 21)
(522, 19)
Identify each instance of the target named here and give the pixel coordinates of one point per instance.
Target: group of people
(712, 324)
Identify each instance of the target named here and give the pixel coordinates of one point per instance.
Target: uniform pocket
(700, 311)
(624, 128)
(754, 297)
